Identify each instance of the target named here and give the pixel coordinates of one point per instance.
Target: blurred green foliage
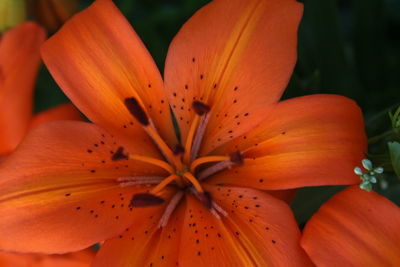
(349, 47)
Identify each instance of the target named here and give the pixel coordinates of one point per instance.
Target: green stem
(375, 139)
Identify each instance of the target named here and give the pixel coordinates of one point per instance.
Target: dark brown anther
(205, 198)
(237, 158)
(179, 150)
(200, 108)
(146, 200)
(119, 154)
(136, 110)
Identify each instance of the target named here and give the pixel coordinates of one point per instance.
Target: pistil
(189, 176)
(189, 140)
(160, 163)
(165, 182)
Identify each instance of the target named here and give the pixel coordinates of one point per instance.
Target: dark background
(349, 47)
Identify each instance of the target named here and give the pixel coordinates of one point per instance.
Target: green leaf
(394, 148)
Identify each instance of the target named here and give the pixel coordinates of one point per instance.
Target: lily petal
(62, 112)
(144, 244)
(307, 141)
(259, 230)
(237, 57)
(77, 259)
(19, 57)
(354, 228)
(59, 190)
(99, 61)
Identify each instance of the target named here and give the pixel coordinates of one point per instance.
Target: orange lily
(127, 180)
(354, 228)
(20, 57)
(77, 259)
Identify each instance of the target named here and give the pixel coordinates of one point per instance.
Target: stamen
(189, 140)
(160, 163)
(139, 180)
(132, 104)
(204, 197)
(215, 213)
(214, 169)
(218, 208)
(208, 159)
(146, 200)
(199, 136)
(164, 183)
(170, 208)
(200, 109)
(164, 148)
(193, 181)
(235, 158)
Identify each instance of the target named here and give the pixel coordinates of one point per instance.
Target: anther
(136, 110)
(145, 200)
(237, 158)
(200, 108)
(119, 154)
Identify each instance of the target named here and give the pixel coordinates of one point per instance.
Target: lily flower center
(185, 169)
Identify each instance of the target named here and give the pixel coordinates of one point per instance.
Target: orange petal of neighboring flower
(237, 56)
(354, 228)
(99, 61)
(19, 57)
(59, 189)
(77, 259)
(62, 112)
(306, 141)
